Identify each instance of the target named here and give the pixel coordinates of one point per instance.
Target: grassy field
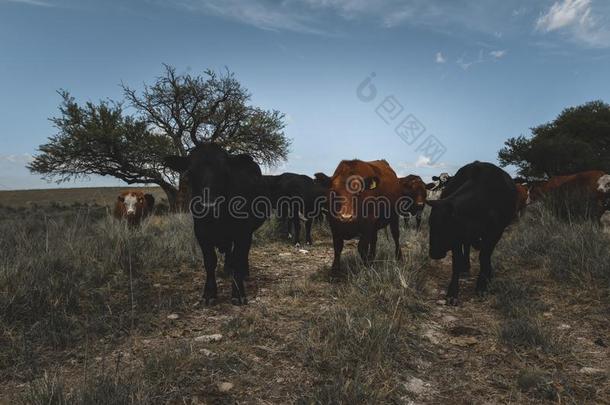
(94, 312)
(102, 196)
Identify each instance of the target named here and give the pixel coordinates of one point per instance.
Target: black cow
(475, 207)
(295, 196)
(223, 187)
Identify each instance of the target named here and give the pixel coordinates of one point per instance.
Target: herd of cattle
(470, 209)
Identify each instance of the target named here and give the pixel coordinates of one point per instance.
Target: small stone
(303, 251)
(440, 302)
(449, 319)
(285, 254)
(209, 338)
(564, 326)
(464, 341)
(432, 336)
(416, 386)
(157, 285)
(207, 352)
(173, 316)
(592, 370)
(225, 387)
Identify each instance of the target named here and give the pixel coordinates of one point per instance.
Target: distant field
(104, 196)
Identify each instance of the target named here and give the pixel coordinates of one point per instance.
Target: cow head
(351, 181)
(133, 202)
(413, 187)
(441, 178)
(443, 227)
(207, 168)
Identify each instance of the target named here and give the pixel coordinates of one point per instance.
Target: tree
(577, 140)
(169, 117)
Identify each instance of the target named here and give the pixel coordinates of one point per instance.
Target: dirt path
(474, 366)
(253, 354)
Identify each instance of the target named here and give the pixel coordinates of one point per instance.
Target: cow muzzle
(346, 217)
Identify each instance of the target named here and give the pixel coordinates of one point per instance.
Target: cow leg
(296, 221)
(209, 262)
(418, 220)
(240, 256)
(284, 225)
(338, 248)
(487, 248)
(457, 265)
(395, 230)
(308, 224)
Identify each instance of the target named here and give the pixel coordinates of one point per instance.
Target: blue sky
(472, 73)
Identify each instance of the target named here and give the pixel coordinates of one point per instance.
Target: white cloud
(498, 54)
(562, 14)
(316, 15)
(29, 2)
(17, 159)
(482, 57)
(424, 161)
(467, 64)
(258, 13)
(577, 19)
(440, 58)
(519, 11)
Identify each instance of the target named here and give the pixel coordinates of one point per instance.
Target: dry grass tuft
(66, 277)
(359, 346)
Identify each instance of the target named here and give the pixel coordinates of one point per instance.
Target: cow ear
(121, 198)
(435, 178)
(371, 183)
(177, 163)
(322, 179)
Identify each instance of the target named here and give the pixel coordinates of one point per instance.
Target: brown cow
(414, 188)
(362, 198)
(595, 183)
(522, 199)
(133, 206)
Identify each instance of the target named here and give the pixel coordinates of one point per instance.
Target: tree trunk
(171, 192)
